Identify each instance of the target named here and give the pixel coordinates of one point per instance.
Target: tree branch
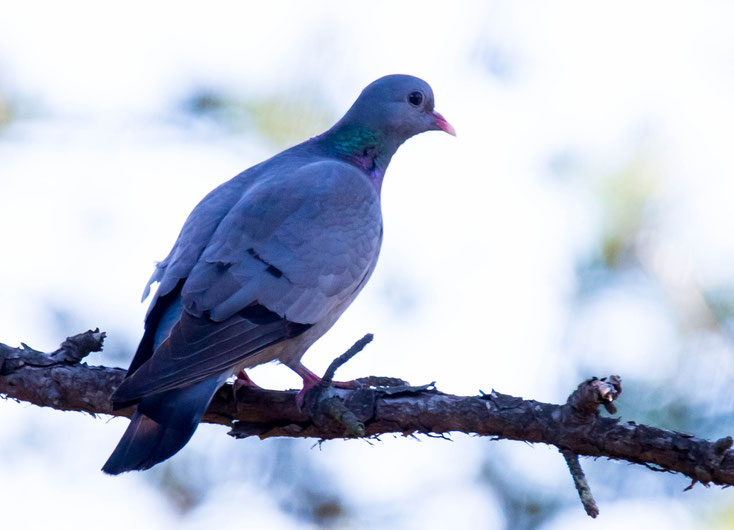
(59, 380)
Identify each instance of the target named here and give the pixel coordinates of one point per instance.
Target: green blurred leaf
(625, 198)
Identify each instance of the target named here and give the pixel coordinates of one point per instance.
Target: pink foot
(243, 380)
(311, 380)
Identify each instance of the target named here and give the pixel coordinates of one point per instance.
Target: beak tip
(444, 125)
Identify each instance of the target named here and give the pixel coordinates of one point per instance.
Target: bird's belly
(290, 351)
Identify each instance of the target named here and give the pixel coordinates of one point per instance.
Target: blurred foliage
(524, 504)
(305, 491)
(280, 119)
(283, 467)
(185, 486)
(633, 253)
(723, 520)
(6, 113)
(721, 302)
(662, 407)
(624, 200)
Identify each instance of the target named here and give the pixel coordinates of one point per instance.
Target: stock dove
(263, 266)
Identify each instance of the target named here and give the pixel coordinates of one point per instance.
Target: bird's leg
(311, 380)
(243, 381)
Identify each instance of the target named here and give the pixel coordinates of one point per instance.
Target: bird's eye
(415, 98)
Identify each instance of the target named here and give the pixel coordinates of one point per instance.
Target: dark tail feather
(161, 426)
(144, 444)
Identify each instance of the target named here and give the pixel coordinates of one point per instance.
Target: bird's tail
(161, 426)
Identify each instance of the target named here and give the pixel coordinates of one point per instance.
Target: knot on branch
(582, 406)
(722, 445)
(709, 462)
(331, 409)
(720, 451)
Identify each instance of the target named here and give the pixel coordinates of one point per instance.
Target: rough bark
(59, 380)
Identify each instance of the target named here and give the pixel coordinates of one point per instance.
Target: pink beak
(442, 124)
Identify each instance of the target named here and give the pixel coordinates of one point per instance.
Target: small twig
(71, 352)
(75, 348)
(656, 468)
(722, 445)
(344, 357)
(441, 436)
(579, 480)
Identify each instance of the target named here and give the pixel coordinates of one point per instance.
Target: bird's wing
(291, 251)
(298, 244)
(196, 233)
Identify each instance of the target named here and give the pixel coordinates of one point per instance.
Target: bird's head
(398, 107)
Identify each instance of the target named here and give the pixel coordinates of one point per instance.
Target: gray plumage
(263, 266)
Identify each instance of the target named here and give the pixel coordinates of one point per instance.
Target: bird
(264, 265)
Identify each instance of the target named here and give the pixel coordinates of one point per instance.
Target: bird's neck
(362, 147)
